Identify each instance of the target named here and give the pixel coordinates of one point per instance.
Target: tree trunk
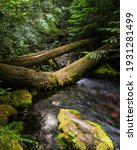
(35, 58)
(28, 77)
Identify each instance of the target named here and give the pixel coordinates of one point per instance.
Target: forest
(59, 74)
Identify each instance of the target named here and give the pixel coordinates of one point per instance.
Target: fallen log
(69, 74)
(35, 58)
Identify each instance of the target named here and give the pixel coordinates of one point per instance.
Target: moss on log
(28, 77)
(45, 55)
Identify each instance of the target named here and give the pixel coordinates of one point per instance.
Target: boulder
(76, 133)
(21, 98)
(6, 111)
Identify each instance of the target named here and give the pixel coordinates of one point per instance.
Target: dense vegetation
(28, 26)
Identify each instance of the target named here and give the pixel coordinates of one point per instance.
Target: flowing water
(96, 99)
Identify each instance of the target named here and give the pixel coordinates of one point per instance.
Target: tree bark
(35, 58)
(69, 74)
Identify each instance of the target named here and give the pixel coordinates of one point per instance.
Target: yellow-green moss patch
(5, 112)
(105, 70)
(79, 134)
(16, 145)
(17, 98)
(21, 98)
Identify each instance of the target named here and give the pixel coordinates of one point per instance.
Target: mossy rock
(79, 134)
(17, 98)
(16, 145)
(21, 98)
(5, 112)
(105, 70)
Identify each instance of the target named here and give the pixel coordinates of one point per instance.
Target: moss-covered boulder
(6, 111)
(21, 98)
(17, 98)
(79, 134)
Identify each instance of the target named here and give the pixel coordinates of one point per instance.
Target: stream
(96, 99)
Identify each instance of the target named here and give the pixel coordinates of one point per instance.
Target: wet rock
(79, 134)
(5, 112)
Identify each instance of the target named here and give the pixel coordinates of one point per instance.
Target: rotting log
(69, 74)
(35, 58)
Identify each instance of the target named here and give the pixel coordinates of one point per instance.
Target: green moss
(16, 145)
(105, 70)
(101, 134)
(81, 134)
(21, 98)
(5, 112)
(34, 92)
(73, 111)
(62, 143)
(52, 63)
(17, 98)
(69, 136)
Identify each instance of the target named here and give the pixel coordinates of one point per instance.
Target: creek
(96, 99)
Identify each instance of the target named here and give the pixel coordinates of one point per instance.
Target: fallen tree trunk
(34, 58)
(28, 77)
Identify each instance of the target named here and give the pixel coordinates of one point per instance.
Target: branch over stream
(69, 74)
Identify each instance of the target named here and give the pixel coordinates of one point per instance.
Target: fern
(113, 29)
(12, 132)
(26, 25)
(90, 17)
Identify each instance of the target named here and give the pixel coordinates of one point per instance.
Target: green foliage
(26, 25)
(93, 17)
(5, 92)
(96, 55)
(113, 29)
(13, 132)
(105, 69)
